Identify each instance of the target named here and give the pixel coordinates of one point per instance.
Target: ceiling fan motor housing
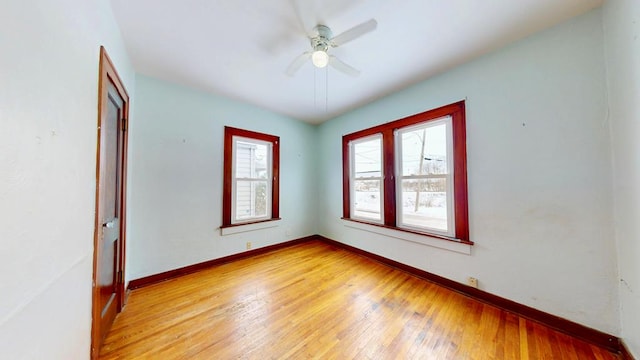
(322, 41)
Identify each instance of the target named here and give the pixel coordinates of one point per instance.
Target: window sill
(440, 242)
(249, 226)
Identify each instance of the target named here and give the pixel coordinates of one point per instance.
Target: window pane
(251, 199)
(368, 158)
(260, 198)
(367, 199)
(243, 199)
(251, 160)
(424, 203)
(424, 150)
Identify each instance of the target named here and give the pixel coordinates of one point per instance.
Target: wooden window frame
(457, 113)
(227, 192)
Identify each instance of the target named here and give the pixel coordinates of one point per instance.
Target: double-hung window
(424, 177)
(410, 174)
(250, 191)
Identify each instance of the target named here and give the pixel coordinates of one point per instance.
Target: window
(251, 172)
(410, 174)
(366, 158)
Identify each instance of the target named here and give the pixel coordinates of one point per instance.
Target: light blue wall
(622, 32)
(539, 165)
(176, 177)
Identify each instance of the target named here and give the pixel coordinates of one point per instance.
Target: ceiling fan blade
(305, 11)
(343, 67)
(297, 63)
(354, 32)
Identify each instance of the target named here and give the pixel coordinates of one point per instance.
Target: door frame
(107, 73)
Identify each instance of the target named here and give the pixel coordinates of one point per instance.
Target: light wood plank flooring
(313, 300)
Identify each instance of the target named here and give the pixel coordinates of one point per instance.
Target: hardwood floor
(314, 300)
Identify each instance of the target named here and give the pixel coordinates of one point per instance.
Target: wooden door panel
(109, 246)
(112, 152)
(107, 277)
(109, 210)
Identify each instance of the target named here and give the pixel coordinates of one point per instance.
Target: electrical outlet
(248, 245)
(473, 282)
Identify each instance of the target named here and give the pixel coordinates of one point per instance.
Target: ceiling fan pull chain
(326, 90)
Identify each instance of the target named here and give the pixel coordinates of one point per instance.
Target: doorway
(111, 173)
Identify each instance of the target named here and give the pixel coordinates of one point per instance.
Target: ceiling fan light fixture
(320, 58)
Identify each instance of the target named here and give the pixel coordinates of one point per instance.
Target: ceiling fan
(323, 41)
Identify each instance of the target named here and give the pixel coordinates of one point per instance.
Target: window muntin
(447, 221)
(425, 177)
(251, 177)
(367, 184)
(251, 174)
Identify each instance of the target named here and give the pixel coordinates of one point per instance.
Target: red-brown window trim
(229, 133)
(457, 113)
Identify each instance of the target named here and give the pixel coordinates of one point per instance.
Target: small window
(410, 174)
(251, 167)
(367, 178)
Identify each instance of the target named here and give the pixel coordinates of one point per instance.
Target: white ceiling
(241, 48)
